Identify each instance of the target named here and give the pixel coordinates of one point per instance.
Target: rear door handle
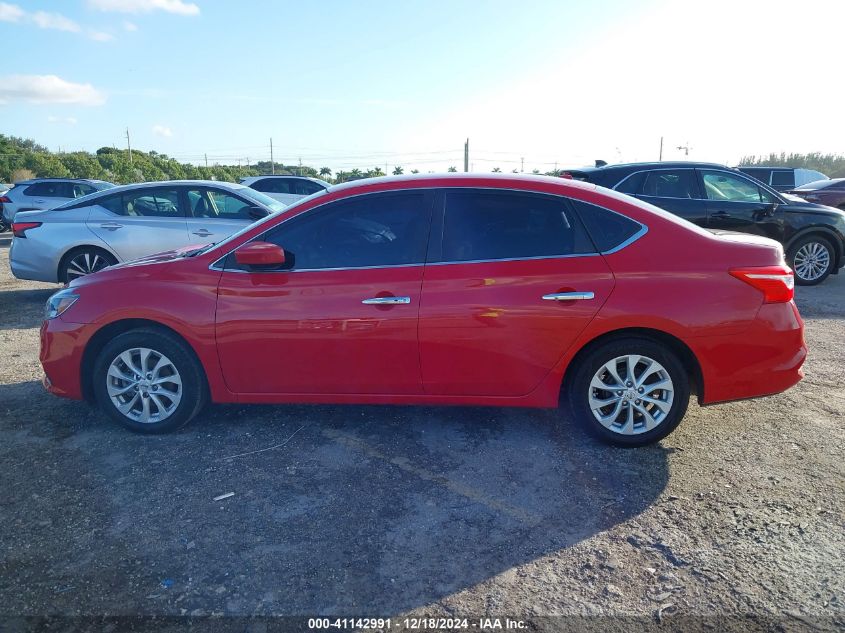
(111, 226)
(203, 233)
(386, 301)
(569, 296)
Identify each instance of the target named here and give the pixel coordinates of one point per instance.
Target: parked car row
(74, 236)
(463, 290)
(720, 198)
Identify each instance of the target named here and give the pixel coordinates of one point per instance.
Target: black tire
(820, 242)
(194, 390)
(98, 258)
(579, 390)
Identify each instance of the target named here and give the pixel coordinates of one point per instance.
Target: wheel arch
(682, 351)
(820, 231)
(109, 331)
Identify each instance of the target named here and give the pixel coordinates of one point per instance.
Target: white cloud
(178, 7)
(10, 12)
(162, 130)
(62, 119)
(129, 26)
(47, 89)
(55, 21)
(100, 36)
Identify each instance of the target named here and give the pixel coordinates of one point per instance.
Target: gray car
(128, 222)
(45, 193)
(287, 189)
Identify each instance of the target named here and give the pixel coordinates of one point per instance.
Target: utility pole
(206, 161)
(522, 164)
(272, 164)
(466, 156)
(661, 149)
(300, 165)
(686, 148)
(129, 147)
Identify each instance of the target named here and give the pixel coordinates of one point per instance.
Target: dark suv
(718, 197)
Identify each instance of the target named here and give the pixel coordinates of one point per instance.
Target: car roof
(157, 183)
(667, 164)
(30, 181)
(311, 178)
(456, 180)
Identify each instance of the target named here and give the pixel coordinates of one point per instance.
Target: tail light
(19, 229)
(777, 283)
(5, 199)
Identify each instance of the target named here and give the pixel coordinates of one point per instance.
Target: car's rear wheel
(812, 260)
(629, 392)
(149, 381)
(84, 261)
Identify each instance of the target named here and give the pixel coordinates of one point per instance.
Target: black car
(718, 197)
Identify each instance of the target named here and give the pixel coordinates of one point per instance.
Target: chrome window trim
(217, 264)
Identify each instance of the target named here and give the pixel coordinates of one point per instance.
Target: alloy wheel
(631, 394)
(811, 261)
(144, 385)
(85, 264)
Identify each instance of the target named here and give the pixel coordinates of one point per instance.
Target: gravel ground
(390, 511)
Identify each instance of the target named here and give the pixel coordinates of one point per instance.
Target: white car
(128, 222)
(45, 193)
(287, 189)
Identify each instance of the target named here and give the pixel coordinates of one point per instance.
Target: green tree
(496, 170)
(452, 170)
(415, 171)
(398, 171)
(325, 172)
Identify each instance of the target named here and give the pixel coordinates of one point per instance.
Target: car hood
(811, 207)
(119, 269)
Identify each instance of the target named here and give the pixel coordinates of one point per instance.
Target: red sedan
(464, 290)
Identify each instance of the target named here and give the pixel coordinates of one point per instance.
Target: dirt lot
(387, 511)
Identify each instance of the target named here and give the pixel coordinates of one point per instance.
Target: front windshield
(267, 201)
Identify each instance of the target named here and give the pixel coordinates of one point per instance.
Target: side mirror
(260, 255)
(256, 213)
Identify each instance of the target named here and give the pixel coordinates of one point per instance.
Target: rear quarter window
(607, 229)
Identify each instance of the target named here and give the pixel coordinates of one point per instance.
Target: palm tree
(415, 171)
(496, 170)
(374, 172)
(355, 174)
(325, 172)
(398, 171)
(452, 169)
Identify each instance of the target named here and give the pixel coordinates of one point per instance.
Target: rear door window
(723, 186)
(669, 183)
(49, 189)
(159, 202)
(484, 225)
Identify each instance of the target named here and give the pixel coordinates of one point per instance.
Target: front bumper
(62, 349)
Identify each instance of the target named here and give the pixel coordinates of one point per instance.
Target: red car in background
(463, 290)
(830, 192)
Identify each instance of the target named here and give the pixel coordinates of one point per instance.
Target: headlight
(59, 302)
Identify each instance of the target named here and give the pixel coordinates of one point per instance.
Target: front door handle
(203, 233)
(111, 226)
(569, 296)
(386, 301)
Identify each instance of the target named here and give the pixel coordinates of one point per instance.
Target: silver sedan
(128, 222)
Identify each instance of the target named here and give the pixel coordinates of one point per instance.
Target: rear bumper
(62, 347)
(30, 260)
(765, 359)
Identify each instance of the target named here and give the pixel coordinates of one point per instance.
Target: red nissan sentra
(448, 290)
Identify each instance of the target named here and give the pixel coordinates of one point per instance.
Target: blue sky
(372, 83)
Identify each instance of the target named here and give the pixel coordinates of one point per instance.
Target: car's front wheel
(629, 392)
(812, 260)
(149, 381)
